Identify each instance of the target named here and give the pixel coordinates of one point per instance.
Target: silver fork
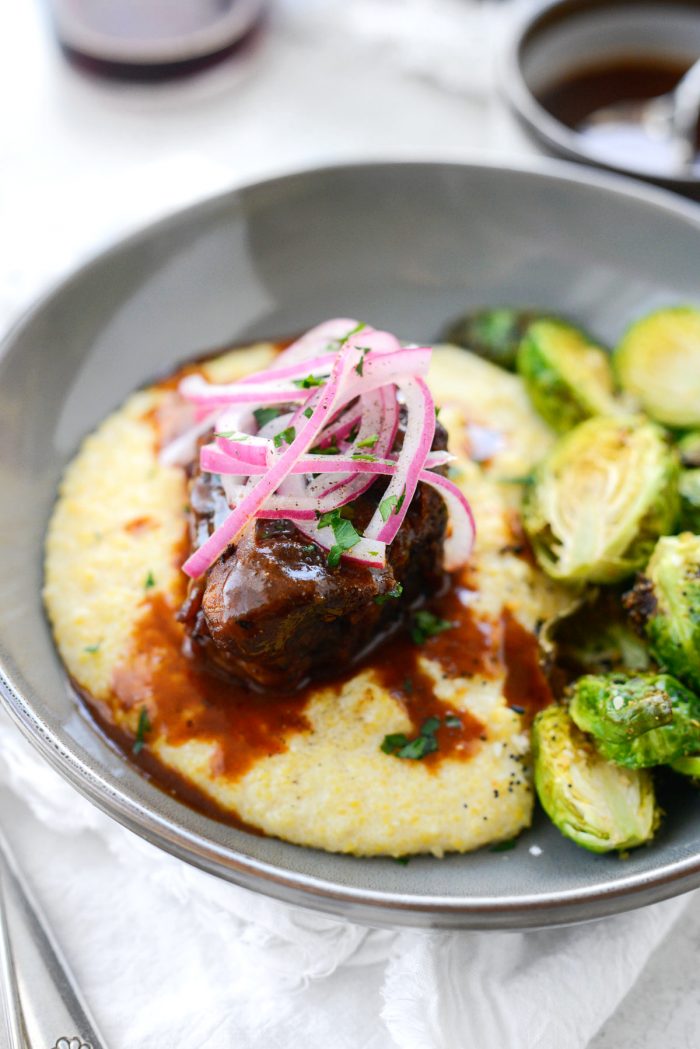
(43, 1006)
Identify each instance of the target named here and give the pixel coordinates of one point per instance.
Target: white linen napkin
(169, 955)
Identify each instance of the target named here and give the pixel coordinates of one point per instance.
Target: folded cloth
(169, 955)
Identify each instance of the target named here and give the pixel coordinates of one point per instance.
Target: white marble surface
(73, 154)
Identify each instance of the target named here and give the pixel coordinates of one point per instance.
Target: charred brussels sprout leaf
(493, 334)
(689, 492)
(658, 363)
(601, 498)
(637, 721)
(595, 803)
(567, 376)
(665, 603)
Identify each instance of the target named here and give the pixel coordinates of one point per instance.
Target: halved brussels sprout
(689, 492)
(601, 498)
(594, 637)
(493, 334)
(665, 603)
(595, 803)
(637, 721)
(567, 376)
(689, 449)
(658, 362)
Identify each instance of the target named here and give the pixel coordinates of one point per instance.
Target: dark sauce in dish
(583, 92)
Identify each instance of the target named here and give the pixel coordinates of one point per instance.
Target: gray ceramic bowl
(405, 245)
(556, 38)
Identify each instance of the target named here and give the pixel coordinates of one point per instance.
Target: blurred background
(86, 156)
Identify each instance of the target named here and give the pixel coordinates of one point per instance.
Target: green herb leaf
(144, 726)
(386, 507)
(353, 331)
(413, 749)
(149, 581)
(265, 415)
(368, 442)
(504, 846)
(308, 412)
(394, 742)
(424, 625)
(284, 437)
(92, 648)
(391, 505)
(310, 548)
(403, 860)
(396, 591)
(360, 366)
(363, 457)
(310, 381)
(328, 449)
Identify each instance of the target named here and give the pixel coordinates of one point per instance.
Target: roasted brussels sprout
(689, 449)
(689, 492)
(594, 637)
(595, 803)
(600, 500)
(567, 376)
(637, 721)
(658, 362)
(493, 334)
(665, 604)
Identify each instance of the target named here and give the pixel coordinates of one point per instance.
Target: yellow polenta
(114, 535)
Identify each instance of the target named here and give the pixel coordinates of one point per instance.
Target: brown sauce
(186, 701)
(583, 92)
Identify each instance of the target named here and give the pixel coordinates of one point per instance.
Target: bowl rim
(369, 906)
(546, 127)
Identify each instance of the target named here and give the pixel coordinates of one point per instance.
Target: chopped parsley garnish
(232, 435)
(381, 599)
(344, 532)
(353, 331)
(284, 437)
(403, 860)
(327, 449)
(423, 744)
(142, 728)
(391, 505)
(309, 549)
(504, 846)
(424, 625)
(308, 412)
(149, 581)
(368, 442)
(363, 457)
(400, 746)
(360, 366)
(92, 648)
(265, 415)
(309, 381)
